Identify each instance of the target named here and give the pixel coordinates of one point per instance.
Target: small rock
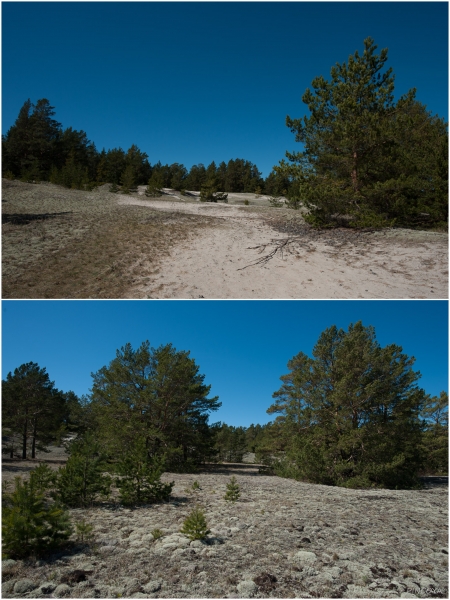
(304, 556)
(23, 586)
(8, 586)
(47, 587)
(152, 586)
(61, 590)
(132, 585)
(247, 589)
(9, 562)
(106, 549)
(407, 595)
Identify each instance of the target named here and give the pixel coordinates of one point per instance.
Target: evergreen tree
(30, 526)
(158, 396)
(178, 176)
(196, 178)
(435, 436)
(81, 481)
(31, 406)
(155, 185)
(30, 145)
(367, 159)
(127, 180)
(140, 480)
(195, 526)
(350, 415)
(233, 490)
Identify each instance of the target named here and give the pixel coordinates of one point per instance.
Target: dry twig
(280, 246)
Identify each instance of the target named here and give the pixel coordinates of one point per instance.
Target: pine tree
(435, 435)
(158, 396)
(195, 526)
(155, 185)
(31, 405)
(81, 481)
(140, 480)
(350, 414)
(233, 490)
(364, 160)
(127, 180)
(30, 526)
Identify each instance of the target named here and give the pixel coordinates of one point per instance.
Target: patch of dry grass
(61, 243)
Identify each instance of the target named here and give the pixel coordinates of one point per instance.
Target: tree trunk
(25, 435)
(33, 443)
(355, 171)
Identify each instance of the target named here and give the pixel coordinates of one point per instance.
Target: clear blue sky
(242, 347)
(202, 81)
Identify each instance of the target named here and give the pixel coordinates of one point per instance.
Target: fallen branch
(279, 246)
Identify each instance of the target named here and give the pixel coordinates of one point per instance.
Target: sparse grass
(61, 243)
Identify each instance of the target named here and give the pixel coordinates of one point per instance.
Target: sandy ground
(214, 263)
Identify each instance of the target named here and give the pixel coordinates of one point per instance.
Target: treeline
(37, 148)
(352, 415)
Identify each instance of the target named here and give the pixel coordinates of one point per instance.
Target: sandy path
(393, 264)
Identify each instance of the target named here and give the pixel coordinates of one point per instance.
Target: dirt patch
(60, 243)
(246, 256)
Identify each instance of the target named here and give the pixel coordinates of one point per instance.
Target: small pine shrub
(114, 188)
(84, 532)
(276, 201)
(81, 481)
(140, 481)
(233, 491)
(195, 526)
(196, 486)
(43, 478)
(8, 175)
(30, 526)
(157, 533)
(246, 202)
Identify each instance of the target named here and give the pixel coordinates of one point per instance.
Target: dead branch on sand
(280, 246)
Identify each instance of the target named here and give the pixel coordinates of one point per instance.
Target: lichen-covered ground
(282, 538)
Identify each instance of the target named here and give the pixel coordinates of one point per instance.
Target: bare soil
(60, 243)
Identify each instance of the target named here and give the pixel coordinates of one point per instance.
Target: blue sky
(202, 81)
(242, 347)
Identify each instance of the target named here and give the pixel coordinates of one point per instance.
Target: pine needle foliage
(368, 160)
(195, 526)
(349, 416)
(84, 531)
(81, 482)
(233, 490)
(140, 481)
(30, 526)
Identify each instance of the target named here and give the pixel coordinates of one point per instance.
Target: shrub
(195, 526)
(84, 531)
(8, 175)
(81, 482)
(275, 201)
(43, 478)
(140, 477)
(114, 188)
(30, 527)
(233, 491)
(157, 533)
